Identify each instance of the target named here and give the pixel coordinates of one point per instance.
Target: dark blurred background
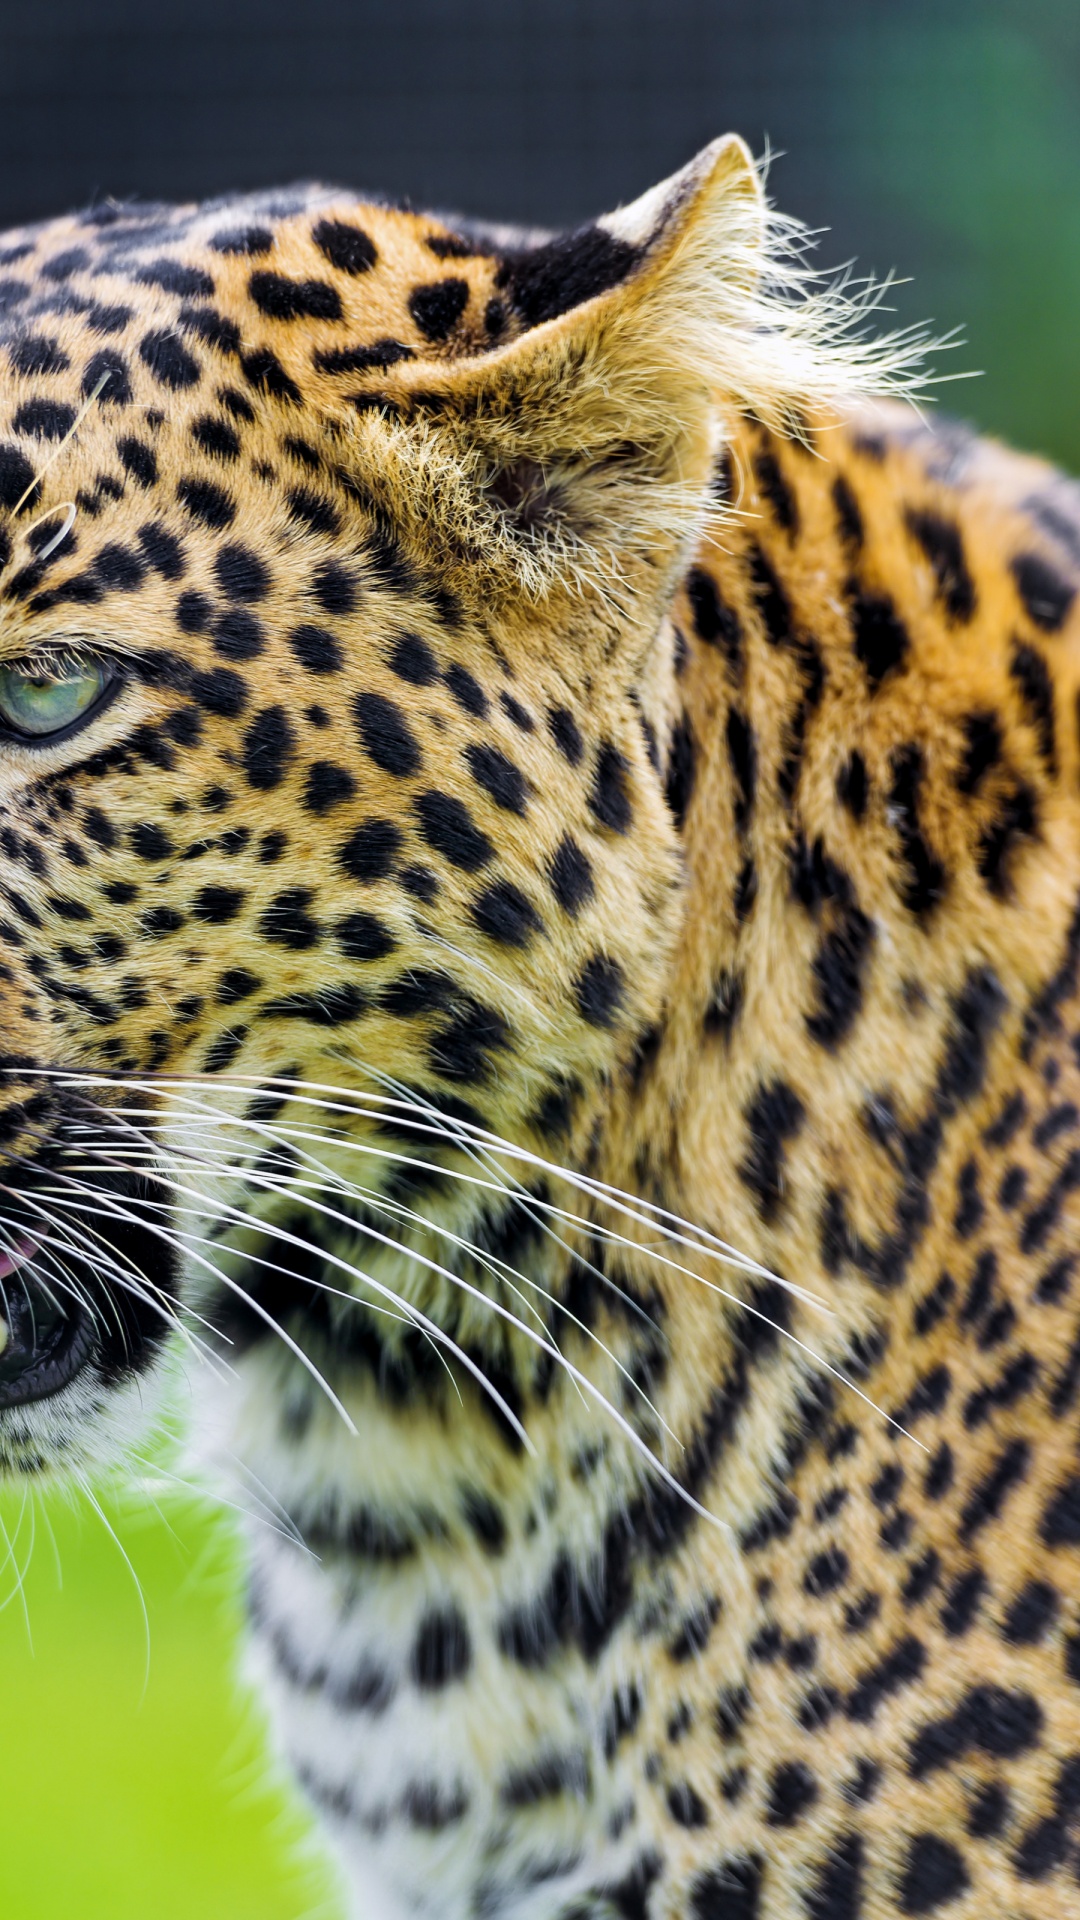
(940, 138)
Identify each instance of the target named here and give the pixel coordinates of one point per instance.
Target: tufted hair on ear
(576, 457)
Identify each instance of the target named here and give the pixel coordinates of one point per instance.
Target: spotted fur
(554, 756)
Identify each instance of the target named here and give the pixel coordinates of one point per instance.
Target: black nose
(44, 1339)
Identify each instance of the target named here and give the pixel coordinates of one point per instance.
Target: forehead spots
(287, 923)
(413, 660)
(334, 588)
(169, 360)
(241, 574)
(283, 299)
(38, 353)
(328, 786)
(381, 353)
(346, 246)
(437, 307)
(206, 502)
(498, 776)
(369, 854)
(264, 371)
(216, 438)
(467, 691)
(45, 419)
(268, 747)
(138, 460)
(448, 827)
(315, 649)
(238, 635)
(386, 735)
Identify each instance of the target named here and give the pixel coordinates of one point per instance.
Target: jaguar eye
(36, 704)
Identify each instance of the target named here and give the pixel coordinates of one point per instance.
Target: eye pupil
(38, 704)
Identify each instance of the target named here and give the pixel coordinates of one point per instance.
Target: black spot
(236, 983)
(849, 519)
(519, 715)
(941, 542)
(347, 247)
(826, 1572)
(169, 360)
(268, 747)
(249, 240)
(241, 574)
(119, 569)
(313, 509)
(571, 876)
(989, 1811)
(151, 842)
(838, 969)
(364, 937)
(681, 768)
(498, 776)
(192, 283)
(852, 786)
(504, 914)
(564, 732)
(1031, 1614)
(692, 1635)
(369, 854)
(216, 905)
(775, 487)
(608, 798)
(726, 1003)
(220, 691)
(467, 690)
(881, 639)
(287, 923)
(1016, 820)
(112, 368)
(685, 1806)
(159, 921)
(381, 353)
(221, 1053)
(38, 353)
(334, 588)
(315, 649)
(16, 476)
(899, 1667)
(729, 1892)
(714, 622)
(1032, 676)
(327, 787)
(926, 877)
(837, 1890)
(448, 826)
(772, 602)
(1046, 595)
(210, 326)
(934, 1874)
(792, 1790)
(549, 279)
(386, 734)
(459, 1051)
(773, 1117)
(413, 660)
(238, 635)
(45, 419)
(329, 1006)
(283, 299)
(1060, 1526)
(990, 1493)
(600, 990)
(438, 306)
(207, 502)
(264, 371)
(742, 750)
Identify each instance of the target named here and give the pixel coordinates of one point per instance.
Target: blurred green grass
(132, 1790)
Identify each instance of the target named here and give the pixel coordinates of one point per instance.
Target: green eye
(38, 704)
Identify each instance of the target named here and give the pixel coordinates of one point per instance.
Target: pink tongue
(22, 1251)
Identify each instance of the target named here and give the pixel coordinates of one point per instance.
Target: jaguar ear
(576, 457)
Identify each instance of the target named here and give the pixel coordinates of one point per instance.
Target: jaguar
(540, 957)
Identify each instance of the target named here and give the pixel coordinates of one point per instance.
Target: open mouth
(98, 1284)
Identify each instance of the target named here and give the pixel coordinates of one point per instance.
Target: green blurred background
(940, 140)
